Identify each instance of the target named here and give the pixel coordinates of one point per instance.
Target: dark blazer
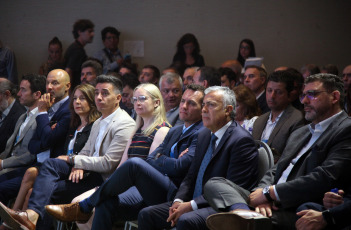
(262, 103)
(54, 139)
(290, 120)
(235, 158)
(324, 166)
(81, 139)
(176, 168)
(8, 125)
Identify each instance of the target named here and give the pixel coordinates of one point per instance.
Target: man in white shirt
(315, 160)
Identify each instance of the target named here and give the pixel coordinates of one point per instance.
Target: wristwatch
(71, 159)
(265, 192)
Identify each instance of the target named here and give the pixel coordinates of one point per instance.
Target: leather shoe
(68, 212)
(15, 220)
(237, 220)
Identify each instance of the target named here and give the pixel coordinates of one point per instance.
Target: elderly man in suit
(156, 180)
(315, 160)
(275, 127)
(65, 177)
(226, 150)
(10, 111)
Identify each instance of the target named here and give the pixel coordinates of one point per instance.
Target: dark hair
(156, 71)
(93, 64)
(111, 30)
(131, 80)
(252, 50)
(283, 77)
(245, 96)
(229, 73)
(297, 76)
(55, 41)
(116, 83)
(330, 82)
(195, 88)
(37, 82)
(5, 85)
(332, 69)
(129, 66)
(262, 71)
(185, 39)
(81, 25)
(89, 94)
(211, 75)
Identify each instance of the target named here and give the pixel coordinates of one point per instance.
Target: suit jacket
(324, 166)
(9, 123)
(176, 168)
(235, 158)
(114, 141)
(173, 118)
(290, 120)
(47, 138)
(81, 138)
(17, 154)
(262, 103)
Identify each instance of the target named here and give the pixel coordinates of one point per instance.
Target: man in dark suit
(10, 111)
(226, 150)
(275, 127)
(138, 183)
(315, 160)
(255, 79)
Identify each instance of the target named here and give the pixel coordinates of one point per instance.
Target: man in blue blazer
(224, 149)
(137, 183)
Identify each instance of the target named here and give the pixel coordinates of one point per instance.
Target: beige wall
(289, 33)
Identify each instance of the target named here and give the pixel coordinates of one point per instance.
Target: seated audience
(188, 76)
(275, 127)
(171, 86)
(309, 69)
(90, 70)
(63, 178)
(110, 56)
(10, 111)
(207, 76)
(55, 59)
(246, 50)
(330, 68)
(247, 110)
(188, 53)
(149, 74)
(314, 161)
(136, 183)
(228, 77)
(255, 79)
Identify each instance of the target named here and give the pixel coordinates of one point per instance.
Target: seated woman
(188, 53)
(84, 113)
(55, 59)
(247, 110)
(246, 50)
(151, 129)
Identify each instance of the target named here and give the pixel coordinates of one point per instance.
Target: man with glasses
(315, 160)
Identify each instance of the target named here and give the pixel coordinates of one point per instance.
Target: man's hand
(265, 209)
(64, 158)
(310, 220)
(177, 210)
(183, 153)
(257, 198)
(76, 175)
(45, 102)
(332, 199)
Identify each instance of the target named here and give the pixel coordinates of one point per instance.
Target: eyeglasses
(245, 47)
(311, 94)
(141, 99)
(346, 75)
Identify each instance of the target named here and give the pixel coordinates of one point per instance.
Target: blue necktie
(203, 166)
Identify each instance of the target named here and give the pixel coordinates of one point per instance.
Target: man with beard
(90, 70)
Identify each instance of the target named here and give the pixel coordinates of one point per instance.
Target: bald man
(53, 117)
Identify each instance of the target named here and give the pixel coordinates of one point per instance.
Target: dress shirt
(30, 114)
(316, 132)
(184, 130)
(270, 125)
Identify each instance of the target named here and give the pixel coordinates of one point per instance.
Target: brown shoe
(68, 212)
(237, 220)
(15, 220)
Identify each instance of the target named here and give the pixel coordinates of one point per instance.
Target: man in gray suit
(16, 153)
(316, 159)
(275, 127)
(65, 177)
(171, 87)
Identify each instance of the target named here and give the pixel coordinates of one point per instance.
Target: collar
(109, 118)
(260, 94)
(57, 105)
(276, 119)
(323, 125)
(7, 110)
(219, 134)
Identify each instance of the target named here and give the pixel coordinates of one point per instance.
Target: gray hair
(228, 97)
(5, 85)
(170, 78)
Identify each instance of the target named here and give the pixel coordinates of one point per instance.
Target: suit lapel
(285, 116)
(118, 112)
(259, 126)
(226, 135)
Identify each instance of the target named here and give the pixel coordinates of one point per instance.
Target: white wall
(289, 33)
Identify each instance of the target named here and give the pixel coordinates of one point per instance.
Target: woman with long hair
(246, 50)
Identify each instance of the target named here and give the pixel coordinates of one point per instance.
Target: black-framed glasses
(141, 99)
(311, 94)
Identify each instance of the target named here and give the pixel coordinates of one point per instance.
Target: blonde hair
(159, 113)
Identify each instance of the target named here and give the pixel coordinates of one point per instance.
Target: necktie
(203, 166)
